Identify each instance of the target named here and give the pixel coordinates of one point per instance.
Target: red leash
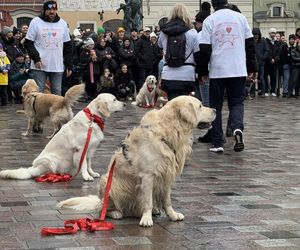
(86, 224)
(52, 177)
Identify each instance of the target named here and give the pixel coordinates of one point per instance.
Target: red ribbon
(86, 224)
(53, 178)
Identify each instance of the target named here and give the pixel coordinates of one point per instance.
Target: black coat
(126, 55)
(85, 59)
(145, 53)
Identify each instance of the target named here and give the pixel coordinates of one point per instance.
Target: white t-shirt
(226, 31)
(48, 40)
(185, 72)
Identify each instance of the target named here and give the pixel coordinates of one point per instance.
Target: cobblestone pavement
(247, 200)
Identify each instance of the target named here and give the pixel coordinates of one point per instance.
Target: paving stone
(279, 235)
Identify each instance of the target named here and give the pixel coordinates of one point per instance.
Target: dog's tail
(90, 202)
(21, 173)
(74, 93)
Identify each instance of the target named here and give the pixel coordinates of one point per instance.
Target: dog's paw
(117, 215)
(88, 178)
(146, 221)
(95, 175)
(176, 216)
(156, 211)
(25, 134)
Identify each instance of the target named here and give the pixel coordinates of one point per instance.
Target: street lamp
(101, 13)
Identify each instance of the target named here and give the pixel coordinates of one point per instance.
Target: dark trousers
(271, 70)
(294, 81)
(143, 73)
(235, 90)
(3, 94)
(91, 88)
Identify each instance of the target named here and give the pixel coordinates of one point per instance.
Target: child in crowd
(4, 69)
(19, 74)
(107, 84)
(124, 83)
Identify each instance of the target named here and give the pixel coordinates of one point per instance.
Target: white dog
(146, 95)
(146, 165)
(63, 152)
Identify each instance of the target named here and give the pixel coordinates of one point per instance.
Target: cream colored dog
(38, 106)
(63, 152)
(146, 95)
(146, 165)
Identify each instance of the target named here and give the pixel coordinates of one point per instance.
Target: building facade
(280, 14)
(90, 14)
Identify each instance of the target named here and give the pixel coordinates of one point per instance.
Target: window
(276, 11)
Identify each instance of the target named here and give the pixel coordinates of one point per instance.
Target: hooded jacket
(261, 47)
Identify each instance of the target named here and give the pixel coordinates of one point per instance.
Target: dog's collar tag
(94, 118)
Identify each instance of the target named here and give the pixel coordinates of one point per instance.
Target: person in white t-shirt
(49, 46)
(227, 56)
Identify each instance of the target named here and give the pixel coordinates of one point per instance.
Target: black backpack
(175, 54)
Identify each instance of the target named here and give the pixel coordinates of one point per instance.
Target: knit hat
(292, 36)
(100, 30)
(218, 2)
(6, 30)
(48, 5)
(120, 29)
(16, 30)
(89, 41)
(272, 30)
(152, 34)
(76, 32)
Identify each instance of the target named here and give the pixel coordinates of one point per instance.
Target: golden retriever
(146, 95)
(146, 165)
(63, 152)
(38, 106)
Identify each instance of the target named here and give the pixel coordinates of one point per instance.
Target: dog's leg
(89, 168)
(174, 216)
(146, 200)
(76, 159)
(147, 100)
(29, 127)
(115, 214)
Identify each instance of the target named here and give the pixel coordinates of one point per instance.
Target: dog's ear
(187, 113)
(103, 108)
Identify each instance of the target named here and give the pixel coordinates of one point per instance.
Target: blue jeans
(286, 78)
(261, 78)
(204, 90)
(55, 79)
(235, 90)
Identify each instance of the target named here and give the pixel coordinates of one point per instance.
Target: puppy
(146, 95)
(146, 165)
(38, 106)
(63, 152)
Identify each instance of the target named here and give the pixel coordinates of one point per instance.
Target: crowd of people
(119, 62)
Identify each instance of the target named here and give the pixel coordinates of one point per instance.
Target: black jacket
(261, 47)
(145, 53)
(126, 55)
(274, 51)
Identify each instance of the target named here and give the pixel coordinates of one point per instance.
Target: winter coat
(295, 57)
(126, 55)
(261, 48)
(17, 78)
(285, 54)
(274, 52)
(4, 65)
(85, 60)
(122, 79)
(145, 53)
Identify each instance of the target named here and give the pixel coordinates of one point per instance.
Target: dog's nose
(124, 104)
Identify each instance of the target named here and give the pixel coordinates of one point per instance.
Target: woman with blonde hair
(178, 39)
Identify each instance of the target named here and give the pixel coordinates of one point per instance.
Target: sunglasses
(52, 6)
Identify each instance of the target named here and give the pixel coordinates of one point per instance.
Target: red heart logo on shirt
(228, 29)
(54, 34)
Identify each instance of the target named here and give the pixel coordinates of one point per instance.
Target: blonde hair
(180, 11)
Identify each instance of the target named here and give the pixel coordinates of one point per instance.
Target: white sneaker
(273, 94)
(217, 149)
(239, 144)
(266, 94)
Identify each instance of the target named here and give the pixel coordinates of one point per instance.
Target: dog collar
(95, 118)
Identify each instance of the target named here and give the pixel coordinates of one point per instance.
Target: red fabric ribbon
(54, 178)
(95, 118)
(86, 224)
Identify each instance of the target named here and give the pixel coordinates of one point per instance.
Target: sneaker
(266, 94)
(273, 94)
(216, 149)
(239, 144)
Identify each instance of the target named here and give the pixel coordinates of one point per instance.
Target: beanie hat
(218, 2)
(16, 30)
(120, 29)
(152, 34)
(100, 30)
(272, 30)
(48, 5)
(89, 41)
(134, 29)
(292, 36)
(6, 30)
(76, 32)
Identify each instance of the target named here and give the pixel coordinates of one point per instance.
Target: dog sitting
(63, 152)
(38, 106)
(146, 165)
(146, 96)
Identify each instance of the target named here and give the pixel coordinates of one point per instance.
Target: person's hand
(203, 80)
(253, 76)
(68, 72)
(5, 71)
(108, 56)
(38, 65)
(272, 60)
(22, 71)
